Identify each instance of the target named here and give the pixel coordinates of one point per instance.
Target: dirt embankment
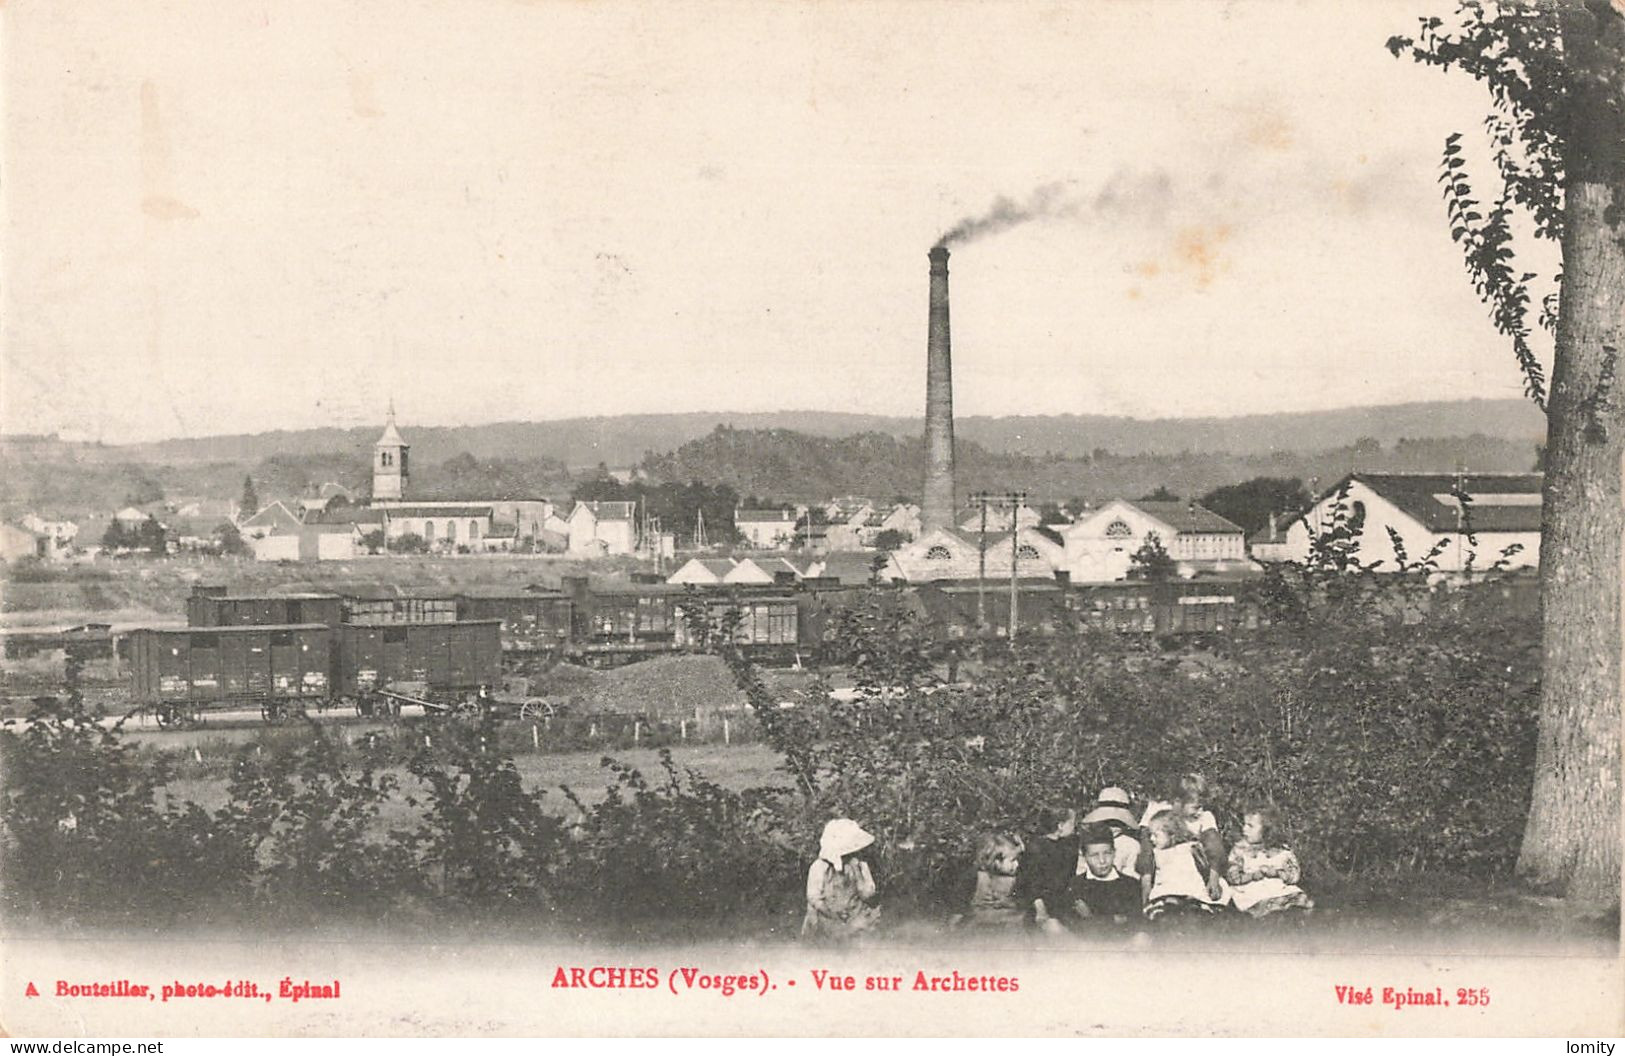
(669, 687)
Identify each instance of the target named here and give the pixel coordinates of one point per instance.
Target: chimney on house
(937, 509)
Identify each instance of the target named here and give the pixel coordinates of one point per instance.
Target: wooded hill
(1054, 458)
(623, 440)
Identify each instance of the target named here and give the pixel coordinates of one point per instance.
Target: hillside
(1053, 458)
(782, 465)
(623, 440)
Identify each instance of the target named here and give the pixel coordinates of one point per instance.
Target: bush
(1396, 733)
(483, 835)
(1391, 746)
(303, 826)
(84, 837)
(685, 850)
(408, 543)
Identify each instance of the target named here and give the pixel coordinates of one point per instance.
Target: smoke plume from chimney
(1046, 202)
(937, 509)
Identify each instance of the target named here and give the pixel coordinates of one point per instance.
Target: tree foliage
(677, 506)
(147, 535)
(1152, 561)
(249, 503)
(228, 540)
(1555, 72)
(1515, 50)
(1251, 503)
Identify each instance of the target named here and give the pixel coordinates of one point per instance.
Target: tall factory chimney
(939, 506)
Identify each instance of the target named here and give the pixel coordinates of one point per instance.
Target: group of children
(1110, 871)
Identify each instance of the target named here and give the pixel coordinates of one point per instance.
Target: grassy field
(736, 766)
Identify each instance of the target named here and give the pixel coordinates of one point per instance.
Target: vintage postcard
(840, 519)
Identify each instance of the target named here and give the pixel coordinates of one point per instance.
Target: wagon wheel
(532, 710)
(169, 716)
(273, 712)
(467, 708)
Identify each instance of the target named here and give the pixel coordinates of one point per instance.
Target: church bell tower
(389, 471)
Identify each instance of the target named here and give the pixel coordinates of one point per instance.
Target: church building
(475, 524)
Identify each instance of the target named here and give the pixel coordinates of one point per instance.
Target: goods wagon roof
(251, 628)
(272, 597)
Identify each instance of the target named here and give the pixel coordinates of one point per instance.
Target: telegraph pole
(1019, 500)
(1013, 501)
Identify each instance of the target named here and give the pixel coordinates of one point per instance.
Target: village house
(855, 528)
(269, 519)
(132, 517)
(309, 542)
(307, 506)
(54, 539)
(1269, 543)
(1499, 521)
(904, 518)
(766, 529)
(17, 543)
(841, 510)
(62, 533)
(1101, 543)
(602, 528)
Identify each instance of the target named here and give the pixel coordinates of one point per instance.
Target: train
(374, 649)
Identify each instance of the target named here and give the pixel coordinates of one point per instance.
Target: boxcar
(214, 607)
(415, 608)
(625, 624)
(1170, 608)
(440, 661)
(532, 621)
(951, 608)
(281, 668)
(768, 629)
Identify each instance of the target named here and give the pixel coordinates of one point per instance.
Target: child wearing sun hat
(840, 889)
(1114, 811)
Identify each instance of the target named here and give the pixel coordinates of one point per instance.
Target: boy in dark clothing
(1047, 868)
(1100, 892)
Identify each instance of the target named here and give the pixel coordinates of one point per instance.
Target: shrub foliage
(1392, 723)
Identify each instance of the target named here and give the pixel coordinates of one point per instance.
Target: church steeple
(389, 458)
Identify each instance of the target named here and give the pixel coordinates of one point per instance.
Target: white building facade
(1100, 545)
(1498, 523)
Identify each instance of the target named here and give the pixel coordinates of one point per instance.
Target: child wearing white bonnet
(840, 889)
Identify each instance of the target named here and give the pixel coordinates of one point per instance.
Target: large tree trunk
(1572, 842)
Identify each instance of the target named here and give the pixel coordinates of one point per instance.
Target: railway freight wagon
(1171, 608)
(214, 607)
(279, 668)
(620, 625)
(959, 610)
(532, 621)
(768, 629)
(434, 664)
(405, 609)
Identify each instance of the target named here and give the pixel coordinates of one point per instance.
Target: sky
(224, 218)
